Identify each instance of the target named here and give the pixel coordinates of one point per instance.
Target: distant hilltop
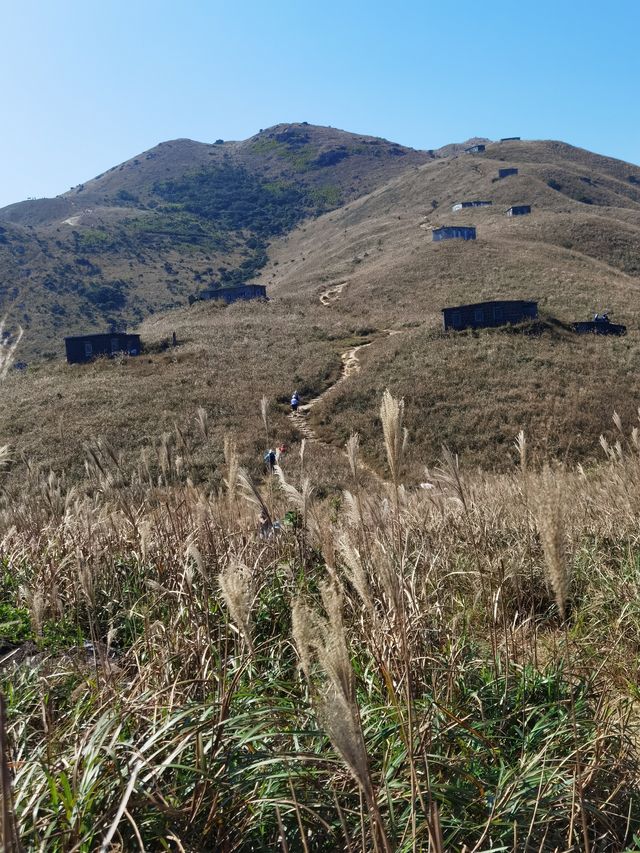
(149, 233)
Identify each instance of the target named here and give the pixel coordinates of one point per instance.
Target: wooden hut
(454, 232)
(83, 348)
(233, 293)
(460, 205)
(480, 315)
(600, 325)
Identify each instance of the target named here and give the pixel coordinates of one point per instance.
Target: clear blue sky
(87, 84)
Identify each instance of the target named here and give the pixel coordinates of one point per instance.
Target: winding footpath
(350, 367)
(328, 296)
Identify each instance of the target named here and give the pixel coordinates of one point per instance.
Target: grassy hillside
(150, 232)
(226, 361)
(376, 260)
(376, 268)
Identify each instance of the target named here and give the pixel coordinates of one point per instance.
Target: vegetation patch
(235, 199)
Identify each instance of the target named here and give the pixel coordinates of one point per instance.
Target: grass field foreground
(452, 667)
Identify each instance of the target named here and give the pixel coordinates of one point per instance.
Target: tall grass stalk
(8, 347)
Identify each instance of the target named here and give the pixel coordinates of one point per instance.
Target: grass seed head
(392, 416)
(236, 586)
(548, 501)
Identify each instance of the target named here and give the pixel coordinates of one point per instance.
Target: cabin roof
(492, 302)
(454, 228)
(101, 335)
(216, 287)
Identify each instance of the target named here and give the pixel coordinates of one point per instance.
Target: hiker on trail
(267, 529)
(295, 401)
(270, 459)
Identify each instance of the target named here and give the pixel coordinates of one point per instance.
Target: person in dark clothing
(270, 459)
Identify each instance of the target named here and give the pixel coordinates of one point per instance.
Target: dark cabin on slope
(475, 149)
(518, 210)
(459, 205)
(482, 315)
(504, 173)
(232, 293)
(83, 348)
(454, 232)
(600, 325)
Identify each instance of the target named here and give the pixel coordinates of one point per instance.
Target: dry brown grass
(474, 392)
(430, 645)
(478, 391)
(227, 360)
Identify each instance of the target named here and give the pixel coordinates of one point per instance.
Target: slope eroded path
(350, 367)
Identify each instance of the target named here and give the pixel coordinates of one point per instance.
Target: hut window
(88, 349)
(114, 345)
(456, 319)
(478, 315)
(499, 314)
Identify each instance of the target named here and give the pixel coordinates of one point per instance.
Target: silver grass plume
(548, 500)
(353, 447)
(264, 409)
(251, 495)
(609, 451)
(355, 571)
(236, 586)
(387, 576)
(395, 436)
(231, 460)
(202, 422)
(352, 509)
(302, 500)
(323, 641)
(7, 348)
(4, 456)
(448, 477)
(521, 446)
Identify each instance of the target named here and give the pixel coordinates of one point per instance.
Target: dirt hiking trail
(331, 294)
(350, 367)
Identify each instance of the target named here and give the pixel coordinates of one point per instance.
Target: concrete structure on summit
(482, 315)
(454, 232)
